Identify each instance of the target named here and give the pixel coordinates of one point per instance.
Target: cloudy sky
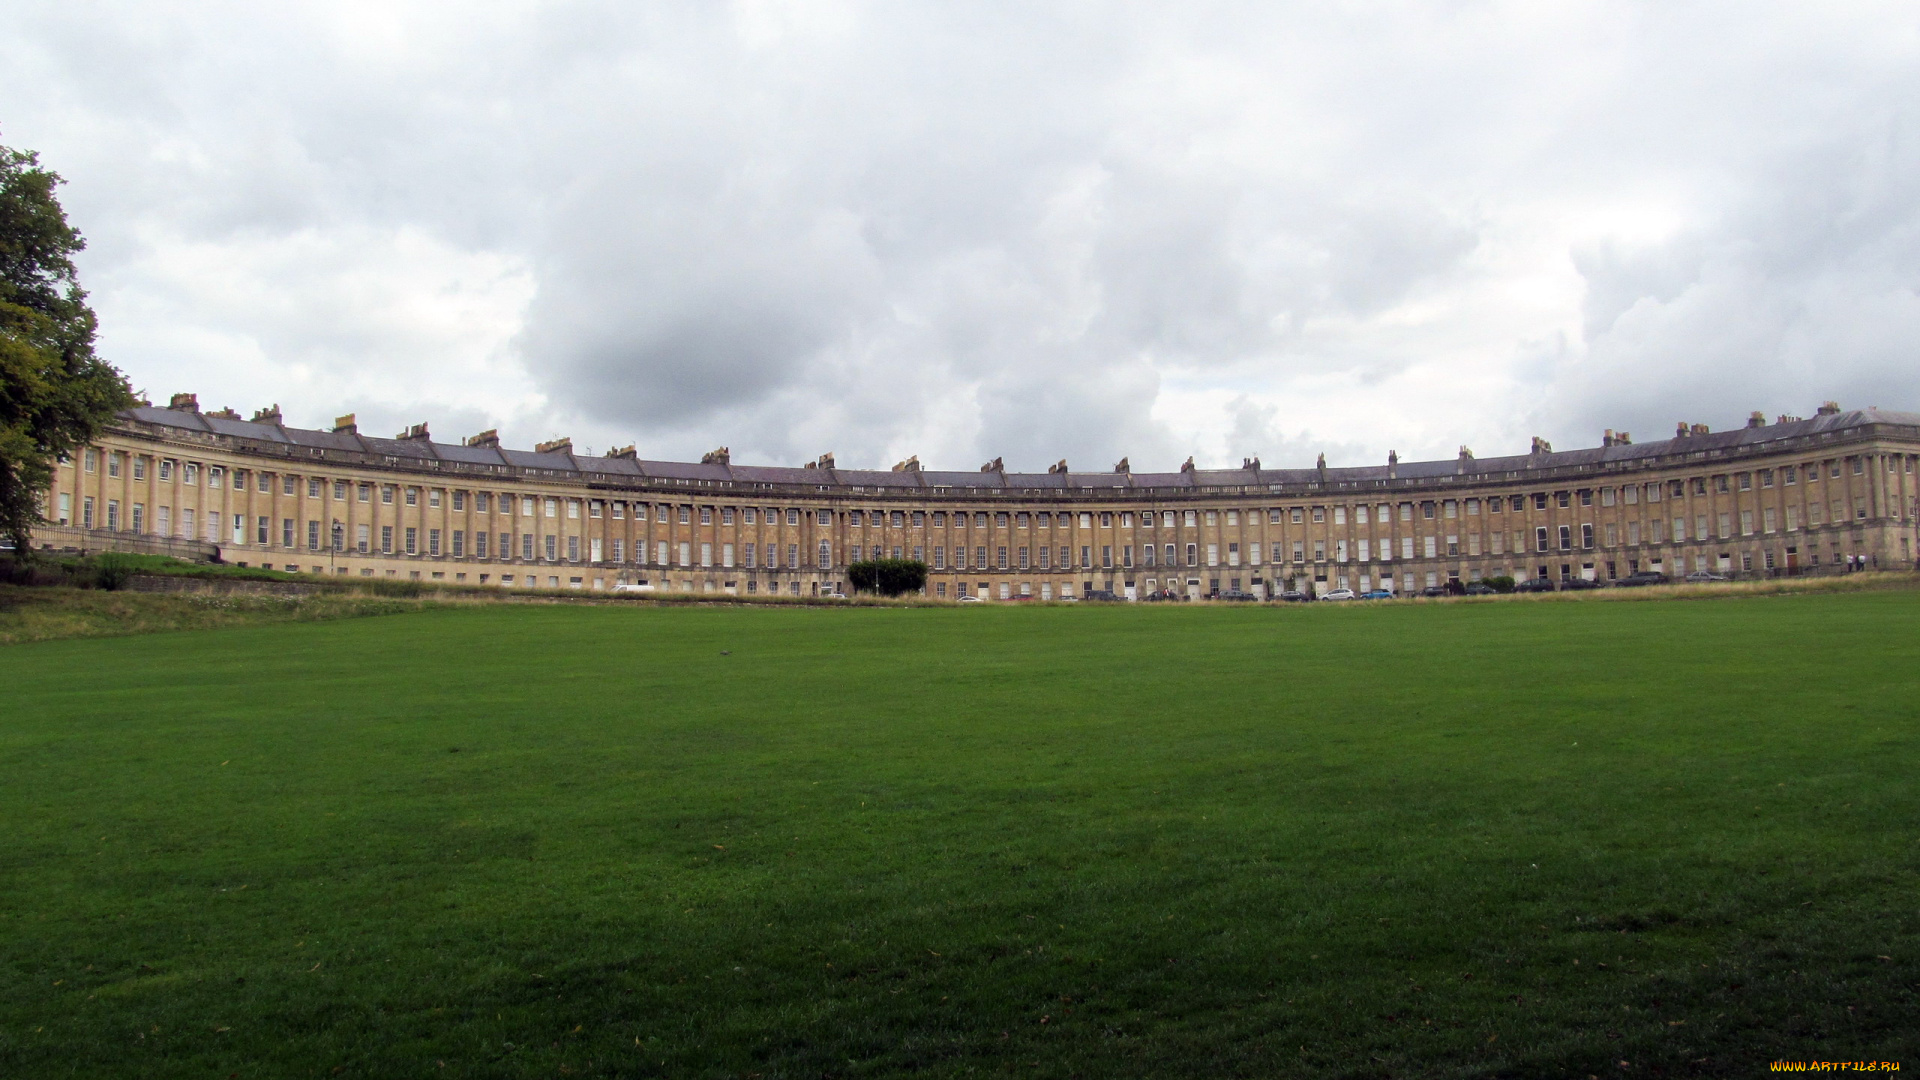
(1033, 230)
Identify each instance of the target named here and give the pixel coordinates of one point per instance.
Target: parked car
(1377, 594)
(1579, 583)
(1160, 596)
(1643, 578)
(1538, 584)
(1701, 576)
(632, 586)
(1434, 590)
(1103, 596)
(1019, 597)
(1069, 598)
(1481, 589)
(1235, 594)
(969, 599)
(1294, 596)
(1339, 594)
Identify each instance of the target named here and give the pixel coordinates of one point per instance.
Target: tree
(55, 394)
(888, 577)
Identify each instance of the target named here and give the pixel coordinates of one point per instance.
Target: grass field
(1466, 840)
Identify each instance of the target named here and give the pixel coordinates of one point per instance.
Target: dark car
(1434, 590)
(1538, 584)
(1643, 578)
(1477, 589)
(1103, 596)
(1158, 596)
(1294, 596)
(1579, 583)
(1235, 594)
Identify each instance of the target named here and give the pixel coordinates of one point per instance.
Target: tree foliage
(55, 394)
(888, 577)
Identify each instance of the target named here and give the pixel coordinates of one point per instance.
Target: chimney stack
(561, 445)
(1828, 408)
(344, 425)
(185, 402)
(1757, 419)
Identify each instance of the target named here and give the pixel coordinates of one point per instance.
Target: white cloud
(1033, 231)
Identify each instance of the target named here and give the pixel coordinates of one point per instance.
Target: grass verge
(47, 614)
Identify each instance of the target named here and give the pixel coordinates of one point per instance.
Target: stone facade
(1787, 497)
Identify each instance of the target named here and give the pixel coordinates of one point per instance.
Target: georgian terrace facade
(1786, 497)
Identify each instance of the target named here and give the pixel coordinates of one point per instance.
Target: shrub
(1503, 583)
(112, 571)
(888, 577)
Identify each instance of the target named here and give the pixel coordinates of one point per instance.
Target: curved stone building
(1792, 496)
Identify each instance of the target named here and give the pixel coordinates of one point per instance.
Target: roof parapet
(344, 425)
(489, 438)
(561, 445)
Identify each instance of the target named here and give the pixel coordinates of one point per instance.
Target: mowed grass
(1671, 838)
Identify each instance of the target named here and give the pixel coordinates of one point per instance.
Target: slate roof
(422, 450)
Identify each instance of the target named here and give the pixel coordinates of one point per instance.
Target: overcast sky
(1030, 230)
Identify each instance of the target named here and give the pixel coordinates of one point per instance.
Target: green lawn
(1503, 839)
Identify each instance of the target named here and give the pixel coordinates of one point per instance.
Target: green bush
(112, 571)
(1503, 583)
(888, 577)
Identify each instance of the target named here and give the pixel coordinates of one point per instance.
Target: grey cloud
(1022, 230)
